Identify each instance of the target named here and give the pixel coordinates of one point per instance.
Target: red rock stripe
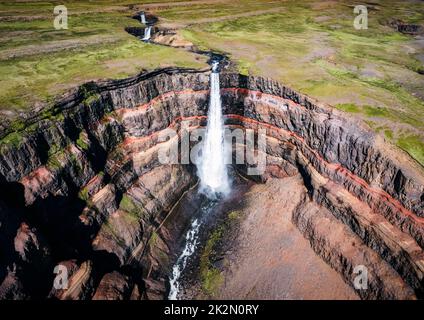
(258, 94)
(336, 167)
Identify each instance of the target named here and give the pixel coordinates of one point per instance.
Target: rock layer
(81, 183)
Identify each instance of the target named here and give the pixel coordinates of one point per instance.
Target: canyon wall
(82, 186)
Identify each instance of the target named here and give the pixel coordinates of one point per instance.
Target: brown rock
(113, 286)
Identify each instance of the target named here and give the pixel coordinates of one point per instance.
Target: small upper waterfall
(212, 169)
(143, 18)
(147, 33)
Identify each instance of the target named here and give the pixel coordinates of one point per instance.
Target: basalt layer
(82, 187)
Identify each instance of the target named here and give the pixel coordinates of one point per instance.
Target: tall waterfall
(143, 18)
(212, 169)
(147, 32)
(213, 175)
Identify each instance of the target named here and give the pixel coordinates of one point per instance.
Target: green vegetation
(244, 67)
(388, 134)
(154, 238)
(234, 215)
(218, 9)
(19, 129)
(127, 204)
(107, 228)
(37, 78)
(38, 62)
(414, 145)
(133, 211)
(311, 46)
(81, 141)
(83, 194)
(368, 111)
(376, 112)
(12, 139)
(55, 158)
(91, 98)
(210, 276)
(348, 107)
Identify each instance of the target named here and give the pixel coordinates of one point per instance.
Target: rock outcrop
(82, 184)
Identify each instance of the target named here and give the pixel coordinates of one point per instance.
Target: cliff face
(82, 186)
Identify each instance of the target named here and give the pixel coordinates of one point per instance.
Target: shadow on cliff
(11, 204)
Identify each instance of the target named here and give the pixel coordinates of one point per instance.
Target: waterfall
(147, 32)
(143, 18)
(212, 169)
(213, 175)
(179, 266)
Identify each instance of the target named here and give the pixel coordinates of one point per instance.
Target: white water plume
(143, 18)
(147, 33)
(212, 169)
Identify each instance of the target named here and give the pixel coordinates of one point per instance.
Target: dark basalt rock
(402, 27)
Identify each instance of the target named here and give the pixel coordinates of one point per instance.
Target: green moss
(83, 194)
(388, 134)
(244, 67)
(54, 162)
(108, 229)
(13, 139)
(367, 110)
(55, 157)
(210, 276)
(58, 155)
(81, 142)
(16, 136)
(89, 93)
(348, 107)
(133, 212)
(126, 203)
(234, 215)
(212, 280)
(341, 73)
(19, 129)
(92, 98)
(414, 145)
(154, 238)
(52, 114)
(370, 111)
(191, 35)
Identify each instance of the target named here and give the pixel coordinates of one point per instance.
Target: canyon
(82, 187)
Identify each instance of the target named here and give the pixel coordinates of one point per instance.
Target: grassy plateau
(374, 74)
